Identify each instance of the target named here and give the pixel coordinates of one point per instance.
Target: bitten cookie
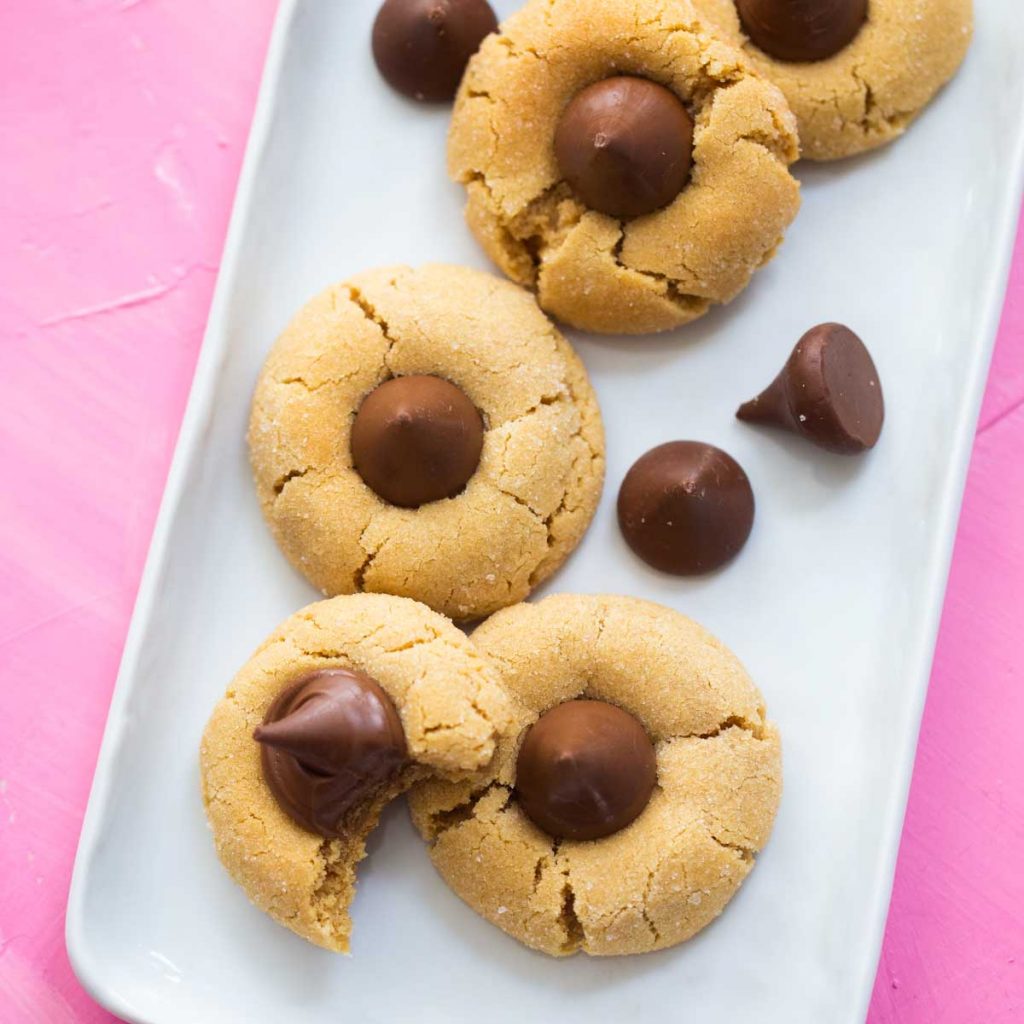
(426, 433)
(721, 205)
(667, 860)
(855, 72)
(357, 698)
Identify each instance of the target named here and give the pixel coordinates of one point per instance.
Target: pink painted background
(122, 127)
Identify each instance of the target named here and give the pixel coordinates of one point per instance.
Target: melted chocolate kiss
(686, 507)
(802, 30)
(585, 770)
(625, 146)
(422, 47)
(828, 392)
(330, 743)
(416, 439)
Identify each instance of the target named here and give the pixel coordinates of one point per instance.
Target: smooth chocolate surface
(422, 47)
(625, 146)
(686, 507)
(586, 769)
(802, 30)
(329, 744)
(828, 392)
(416, 439)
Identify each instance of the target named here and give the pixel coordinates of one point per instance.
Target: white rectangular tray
(833, 605)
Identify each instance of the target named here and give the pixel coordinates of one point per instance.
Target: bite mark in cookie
(393, 693)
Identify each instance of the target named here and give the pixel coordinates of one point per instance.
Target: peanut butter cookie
(627, 800)
(855, 72)
(621, 161)
(426, 433)
(351, 700)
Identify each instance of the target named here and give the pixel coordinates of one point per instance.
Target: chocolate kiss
(625, 146)
(313, 733)
(771, 407)
(586, 769)
(802, 30)
(828, 392)
(330, 742)
(416, 439)
(422, 47)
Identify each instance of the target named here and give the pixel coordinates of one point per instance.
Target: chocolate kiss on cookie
(625, 146)
(586, 769)
(422, 47)
(802, 30)
(330, 743)
(828, 392)
(416, 439)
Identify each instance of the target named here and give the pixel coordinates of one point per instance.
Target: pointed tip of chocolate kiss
(309, 733)
(771, 407)
(827, 393)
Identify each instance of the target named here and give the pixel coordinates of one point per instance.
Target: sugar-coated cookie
(673, 868)
(448, 710)
(526, 89)
(867, 91)
(443, 385)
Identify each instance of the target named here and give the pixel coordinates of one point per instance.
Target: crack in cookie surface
(868, 93)
(527, 218)
(522, 512)
(451, 710)
(669, 873)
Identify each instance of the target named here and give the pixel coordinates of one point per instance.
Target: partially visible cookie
(450, 710)
(868, 91)
(666, 875)
(527, 476)
(621, 273)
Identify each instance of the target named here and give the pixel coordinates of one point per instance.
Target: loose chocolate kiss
(828, 392)
(625, 146)
(585, 770)
(330, 743)
(416, 439)
(422, 47)
(686, 507)
(802, 30)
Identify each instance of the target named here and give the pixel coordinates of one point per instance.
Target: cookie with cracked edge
(540, 470)
(868, 92)
(451, 710)
(594, 271)
(661, 879)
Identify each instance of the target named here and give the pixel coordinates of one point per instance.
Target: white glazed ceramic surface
(833, 605)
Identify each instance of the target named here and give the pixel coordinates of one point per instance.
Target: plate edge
(86, 966)
(198, 407)
(941, 560)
